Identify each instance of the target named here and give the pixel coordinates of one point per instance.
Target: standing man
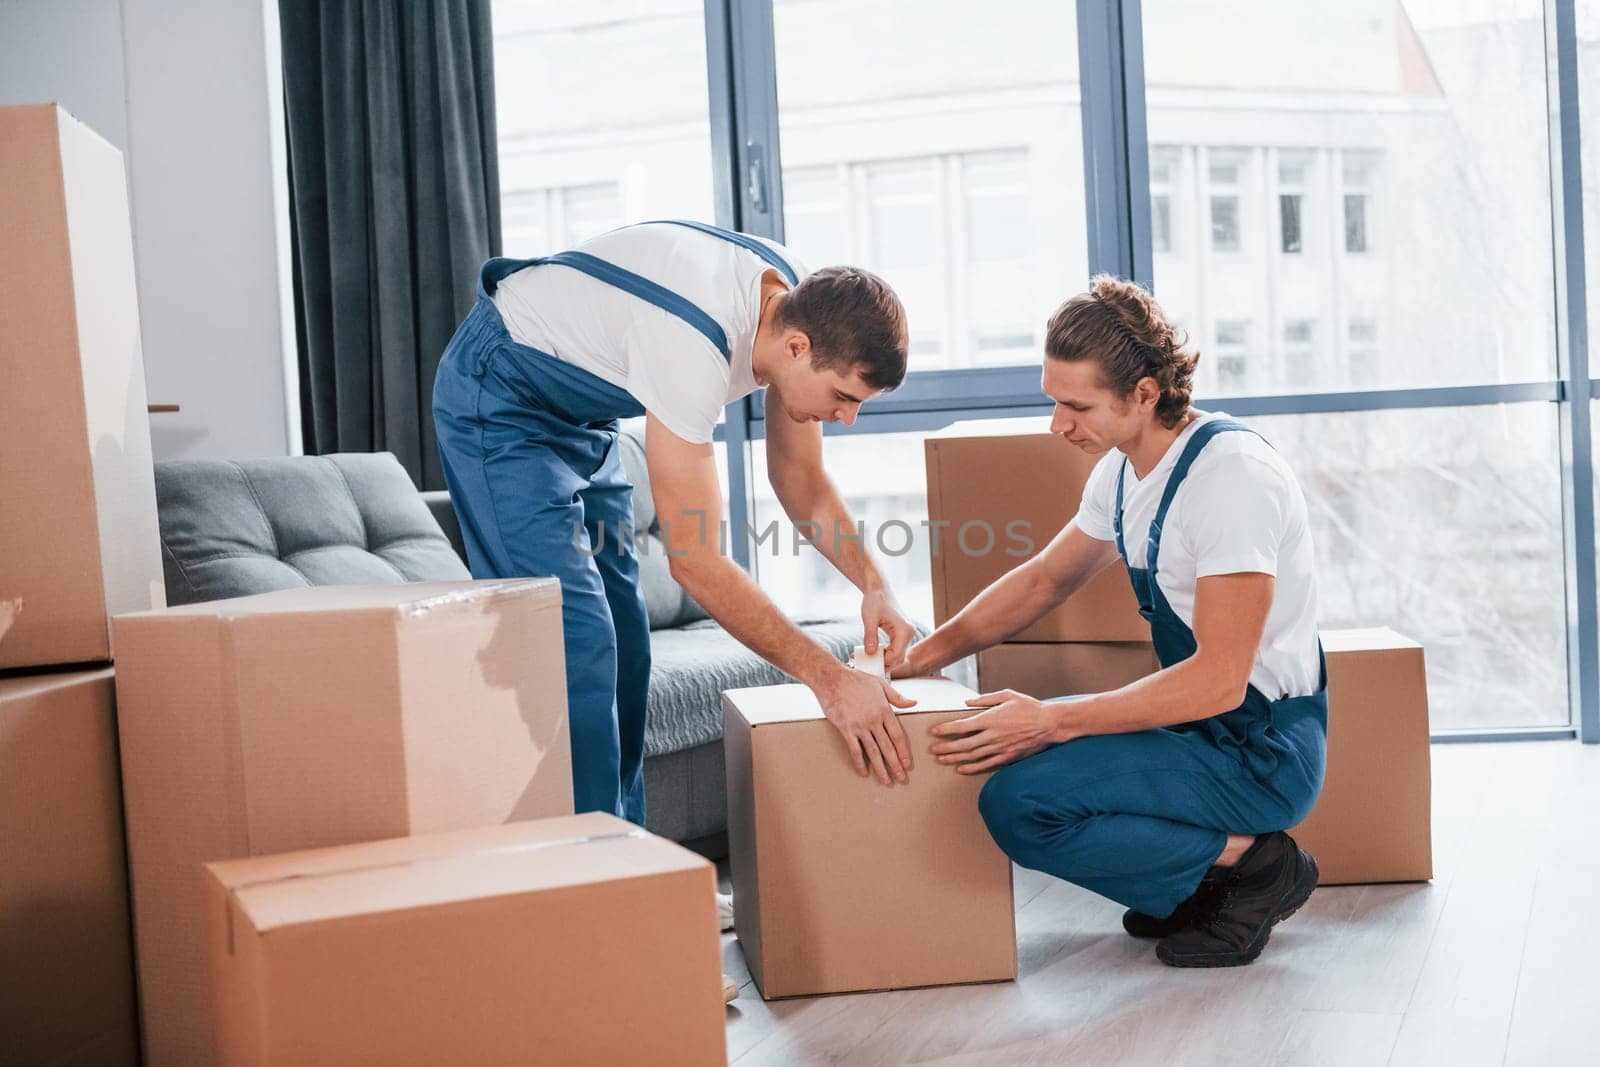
(672, 321)
(1170, 795)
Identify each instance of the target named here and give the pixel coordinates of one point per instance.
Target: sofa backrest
(236, 528)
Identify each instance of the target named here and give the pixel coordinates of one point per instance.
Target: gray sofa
(236, 528)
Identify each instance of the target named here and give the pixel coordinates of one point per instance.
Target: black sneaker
(1270, 882)
(1139, 924)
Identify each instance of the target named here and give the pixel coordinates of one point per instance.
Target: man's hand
(1010, 726)
(859, 706)
(913, 665)
(880, 612)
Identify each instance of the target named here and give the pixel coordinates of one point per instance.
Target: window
(1233, 361)
(1290, 206)
(997, 230)
(1355, 222)
(955, 163)
(634, 145)
(1357, 174)
(1292, 170)
(1225, 223)
(1464, 503)
(1301, 360)
(955, 235)
(1164, 163)
(1362, 351)
(1373, 158)
(1224, 187)
(538, 221)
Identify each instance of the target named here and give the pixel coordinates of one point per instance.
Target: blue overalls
(1141, 817)
(529, 448)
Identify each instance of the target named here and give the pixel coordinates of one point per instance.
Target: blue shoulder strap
(1180, 471)
(743, 240)
(1116, 515)
(646, 290)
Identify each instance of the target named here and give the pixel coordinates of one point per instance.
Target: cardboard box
(1064, 668)
(574, 940)
(66, 952)
(1004, 488)
(316, 717)
(1373, 822)
(78, 537)
(841, 883)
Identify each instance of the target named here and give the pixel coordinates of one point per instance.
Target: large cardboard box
(66, 952)
(843, 884)
(319, 717)
(78, 539)
(1065, 668)
(565, 941)
(998, 491)
(1373, 822)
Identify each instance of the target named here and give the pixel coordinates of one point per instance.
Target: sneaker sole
(1303, 888)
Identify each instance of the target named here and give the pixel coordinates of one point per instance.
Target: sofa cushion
(664, 598)
(235, 528)
(691, 665)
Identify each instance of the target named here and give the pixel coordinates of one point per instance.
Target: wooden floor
(1496, 961)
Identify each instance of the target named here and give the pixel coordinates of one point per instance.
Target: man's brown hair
(855, 322)
(1121, 327)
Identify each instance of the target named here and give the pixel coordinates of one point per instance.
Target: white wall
(190, 90)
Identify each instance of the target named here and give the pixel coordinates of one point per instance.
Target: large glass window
(1354, 163)
(882, 480)
(939, 146)
(1444, 523)
(603, 118)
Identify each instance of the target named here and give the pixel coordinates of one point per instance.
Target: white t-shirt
(668, 366)
(1239, 510)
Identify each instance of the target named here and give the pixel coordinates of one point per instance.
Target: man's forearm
(1011, 604)
(1185, 692)
(732, 598)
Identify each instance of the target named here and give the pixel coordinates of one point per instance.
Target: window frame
(746, 154)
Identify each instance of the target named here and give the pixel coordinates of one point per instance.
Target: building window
(1225, 223)
(1291, 203)
(1357, 172)
(1301, 361)
(1232, 351)
(539, 221)
(1289, 214)
(1224, 173)
(1355, 222)
(997, 203)
(1362, 333)
(1163, 172)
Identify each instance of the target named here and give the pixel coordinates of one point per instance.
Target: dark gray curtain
(394, 201)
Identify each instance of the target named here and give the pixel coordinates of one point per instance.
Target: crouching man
(1170, 795)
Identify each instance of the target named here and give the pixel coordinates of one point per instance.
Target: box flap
(9, 609)
(23, 687)
(445, 868)
(1011, 427)
(1369, 639)
(766, 704)
(409, 597)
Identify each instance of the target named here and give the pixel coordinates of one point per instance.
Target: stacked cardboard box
(1373, 822)
(78, 542)
(317, 717)
(572, 940)
(998, 491)
(844, 884)
(78, 538)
